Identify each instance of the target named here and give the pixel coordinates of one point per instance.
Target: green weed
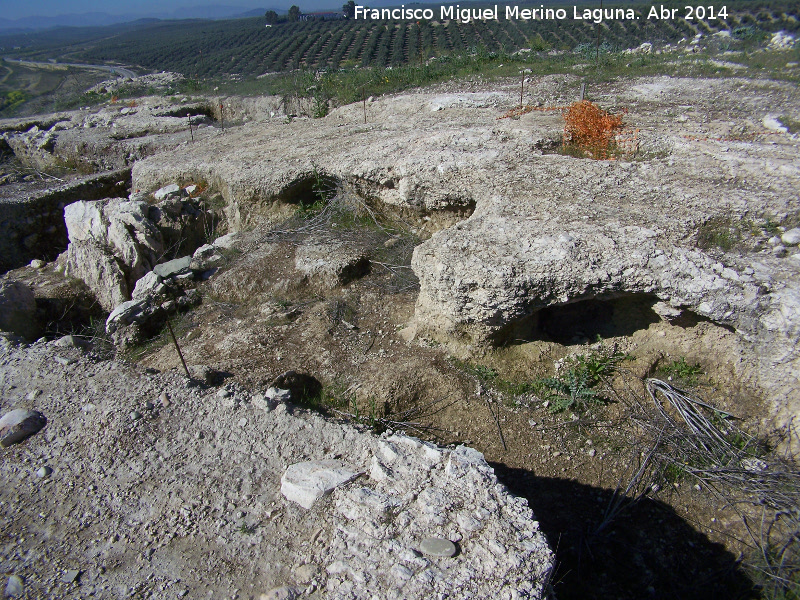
(792, 124)
(682, 371)
(577, 389)
(492, 379)
(719, 232)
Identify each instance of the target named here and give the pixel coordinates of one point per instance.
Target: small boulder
(331, 263)
(71, 341)
(666, 311)
(227, 242)
(15, 586)
(18, 425)
(174, 267)
(307, 482)
(206, 257)
(278, 395)
(149, 285)
(791, 237)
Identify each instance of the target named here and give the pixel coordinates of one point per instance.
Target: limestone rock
(174, 267)
(149, 285)
(18, 425)
(307, 482)
(206, 257)
(71, 341)
(791, 237)
(168, 190)
(112, 245)
(330, 263)
(227, 241)
(17, 309)
(15, 586)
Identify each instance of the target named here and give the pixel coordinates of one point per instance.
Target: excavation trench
(33, 226)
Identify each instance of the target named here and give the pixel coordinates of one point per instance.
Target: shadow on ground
(648, 551)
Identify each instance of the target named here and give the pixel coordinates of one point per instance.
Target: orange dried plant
(591, 130)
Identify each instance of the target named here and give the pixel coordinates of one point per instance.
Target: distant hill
(207, 48)
(100, 19)
(72, 20)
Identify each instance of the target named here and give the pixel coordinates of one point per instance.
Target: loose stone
(436, 546)
(15, 586)
(19, 425)
(70, 576)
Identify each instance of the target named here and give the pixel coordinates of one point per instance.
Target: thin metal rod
(178, 348)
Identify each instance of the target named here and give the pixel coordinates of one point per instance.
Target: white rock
(772, 123)
(227, 242)
(307, 482)
(666, 312)
(112, 245)
(15, 586)
(206, 257)
(168, 190)
(278, 395)
(147, 286)
(791, 237)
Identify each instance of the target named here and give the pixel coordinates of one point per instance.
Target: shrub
(591, 131)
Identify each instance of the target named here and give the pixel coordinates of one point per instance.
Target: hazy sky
(14, 9)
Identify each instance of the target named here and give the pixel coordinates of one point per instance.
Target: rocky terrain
(545, 230)
(151, 506)
(386, 259)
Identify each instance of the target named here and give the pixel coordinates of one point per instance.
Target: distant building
(321, 16)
